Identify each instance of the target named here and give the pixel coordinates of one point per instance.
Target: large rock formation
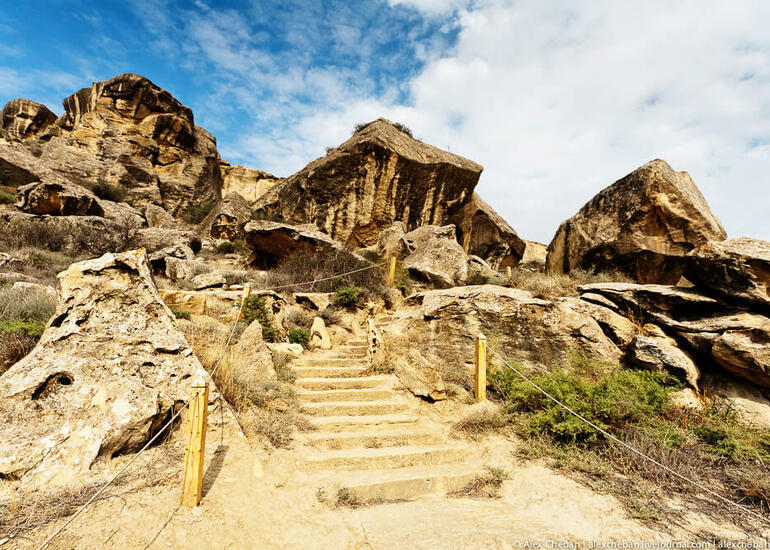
(59, 199)
(249, 183)
(382, 175)
(736, 268)
(436, 257)
(538, 333)
(642, 225)
(107, 373)
(728, 335)
(482, 232)
(125, 133)
(227, 218)
(271, 242)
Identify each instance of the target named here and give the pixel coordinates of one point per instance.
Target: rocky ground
(341, 412)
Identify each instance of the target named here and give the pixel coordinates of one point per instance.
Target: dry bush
(554, 285)
(484, 486)
(480, 421)
(23, 314)
(39, 263)
(300, 268)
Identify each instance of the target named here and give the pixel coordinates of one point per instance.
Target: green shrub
(196, 212)
(107, 191)
(347, 295)
(299, 336)
(31, 328)
(617, 400)
(181, 313)
(6, 197)
(255, 309)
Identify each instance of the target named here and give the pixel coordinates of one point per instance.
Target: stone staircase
(369, 439)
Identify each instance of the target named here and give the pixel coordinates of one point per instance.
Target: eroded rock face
(735, 268)
(642, 225)
(108, 370)
(482, 232)
(57, 199)
(538, 333)
(124, 132)
(437, 258)
(382, 175)
(227, 218)
(729, 335)
(21, 118)
(661, 353)
(249, 183)
(270, 242)
(420, 377)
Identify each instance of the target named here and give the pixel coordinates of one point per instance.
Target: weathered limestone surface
(382, 175)
(124, 132)
(57, 199)
(735, 268)
(108, 370)
(437, 257)
(642, 225)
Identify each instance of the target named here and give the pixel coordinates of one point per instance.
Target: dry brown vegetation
(39, 263)
(484, 486)
(265, 408)
(23, 314)
(554, 285)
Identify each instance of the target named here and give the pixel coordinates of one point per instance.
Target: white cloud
(558, 101)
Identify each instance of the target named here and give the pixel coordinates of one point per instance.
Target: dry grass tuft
(484, 486)
(555, 285)
(480, 421)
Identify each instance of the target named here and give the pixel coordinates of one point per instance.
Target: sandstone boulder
(271, 242)
(482, 232)
(157, 217)
(208, 280)
(442, 326)
(21, 118)
(315, 300)
(124, 134)
(252, 359)
(420, 377)
(392, 242)
(736, 268)
(479, 272)
(437, 257)
(534, 256)
(642, 225)
(661, 353)
(227, 218)
(380, 175)
(319, 336)
(109, 369)
(57, 199)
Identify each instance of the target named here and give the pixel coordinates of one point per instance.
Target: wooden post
(392, 272)
(196, 445)
(481, 368)
(508, 273)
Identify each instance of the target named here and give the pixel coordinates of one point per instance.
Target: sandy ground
(258, 500)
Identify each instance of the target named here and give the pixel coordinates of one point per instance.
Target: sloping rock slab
(109, 369)
(736, 268)
(271, 242)
(642, 225)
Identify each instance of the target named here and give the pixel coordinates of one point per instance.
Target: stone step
(318, 384)
(351, 408)
(385, 458)
(403, 483)
(388, 437)
(364, 394)
(322, 361)
(357, 343)
(358, 423)
(329, 372)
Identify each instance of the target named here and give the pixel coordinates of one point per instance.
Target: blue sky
(556, 100)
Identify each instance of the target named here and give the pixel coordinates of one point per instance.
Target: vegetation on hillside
(23, 315)
(708, 446)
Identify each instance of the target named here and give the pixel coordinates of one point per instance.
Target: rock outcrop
(482, 232)
(642, 225)
(525, 329)
(124, 133)
(736, 268)
(57, 199)
(437, 257)
(227, 218)
(420, 377)
(382, 175)
(271, 242)
(109, 369)
(249, 183)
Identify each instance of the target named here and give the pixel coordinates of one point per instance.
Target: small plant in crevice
(299, 336)
(6, 197)
(485, 486)
(230, 247)
(255, 309)
(195, 213)
(346, 497)
(181, 313)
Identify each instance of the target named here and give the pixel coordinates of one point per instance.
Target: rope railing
(169, 423)
(481, 342)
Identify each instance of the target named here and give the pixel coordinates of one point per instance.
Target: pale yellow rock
(319, 336)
